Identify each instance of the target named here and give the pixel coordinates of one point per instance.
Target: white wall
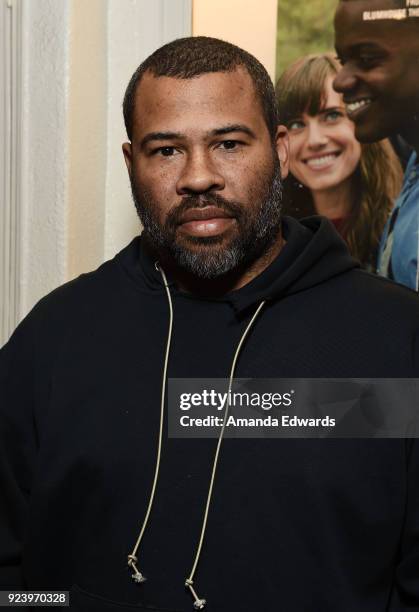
(87, 135)
(44, 153)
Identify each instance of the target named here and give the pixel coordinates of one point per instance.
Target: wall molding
(10, 167)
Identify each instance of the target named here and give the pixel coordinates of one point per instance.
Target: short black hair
(397, 4)
(193, 56)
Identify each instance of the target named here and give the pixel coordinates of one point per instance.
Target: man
(96, 499)
(378, 44)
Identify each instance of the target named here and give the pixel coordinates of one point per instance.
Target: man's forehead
(361, 22)
(158, 89)
(163, 100)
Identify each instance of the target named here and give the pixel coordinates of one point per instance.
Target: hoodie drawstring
(199, 604)
(138, 577)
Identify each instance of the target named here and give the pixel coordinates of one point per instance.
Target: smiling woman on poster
(334, 175)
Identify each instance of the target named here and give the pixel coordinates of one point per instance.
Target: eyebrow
(236, 127)
(322, 111)
(328, 109)
(160, 136)
(227, 129)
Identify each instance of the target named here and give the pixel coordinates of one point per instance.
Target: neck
(334, 203)
(218, 287)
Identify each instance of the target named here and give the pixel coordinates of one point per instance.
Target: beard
(257, 227)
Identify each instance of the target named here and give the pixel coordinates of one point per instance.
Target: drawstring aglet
(137, 576)
(198, 604)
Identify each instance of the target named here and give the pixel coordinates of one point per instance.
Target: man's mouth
(320, 162)
(355, 107)
(207, 221)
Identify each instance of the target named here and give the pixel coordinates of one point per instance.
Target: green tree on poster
(304, 26)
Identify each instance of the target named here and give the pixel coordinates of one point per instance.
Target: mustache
(234, 209)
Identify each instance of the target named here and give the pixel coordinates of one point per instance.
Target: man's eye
(297, 124)
(367, 61)
(165, 151)
(229, 144)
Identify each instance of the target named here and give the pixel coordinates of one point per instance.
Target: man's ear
(282, 145)
(127, 151)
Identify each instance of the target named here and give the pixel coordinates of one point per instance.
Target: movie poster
(366, 184)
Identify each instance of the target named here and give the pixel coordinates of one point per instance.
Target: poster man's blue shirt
(402, 229)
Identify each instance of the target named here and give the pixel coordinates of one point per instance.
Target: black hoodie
(294, 525)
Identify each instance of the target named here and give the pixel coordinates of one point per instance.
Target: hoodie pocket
(82, 601)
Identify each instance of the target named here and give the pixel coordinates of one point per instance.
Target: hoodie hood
(314, 252)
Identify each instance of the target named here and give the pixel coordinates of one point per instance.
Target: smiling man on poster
(95, 497)
(377, 42)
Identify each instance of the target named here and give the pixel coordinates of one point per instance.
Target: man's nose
(199, 175)
(345, 80)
